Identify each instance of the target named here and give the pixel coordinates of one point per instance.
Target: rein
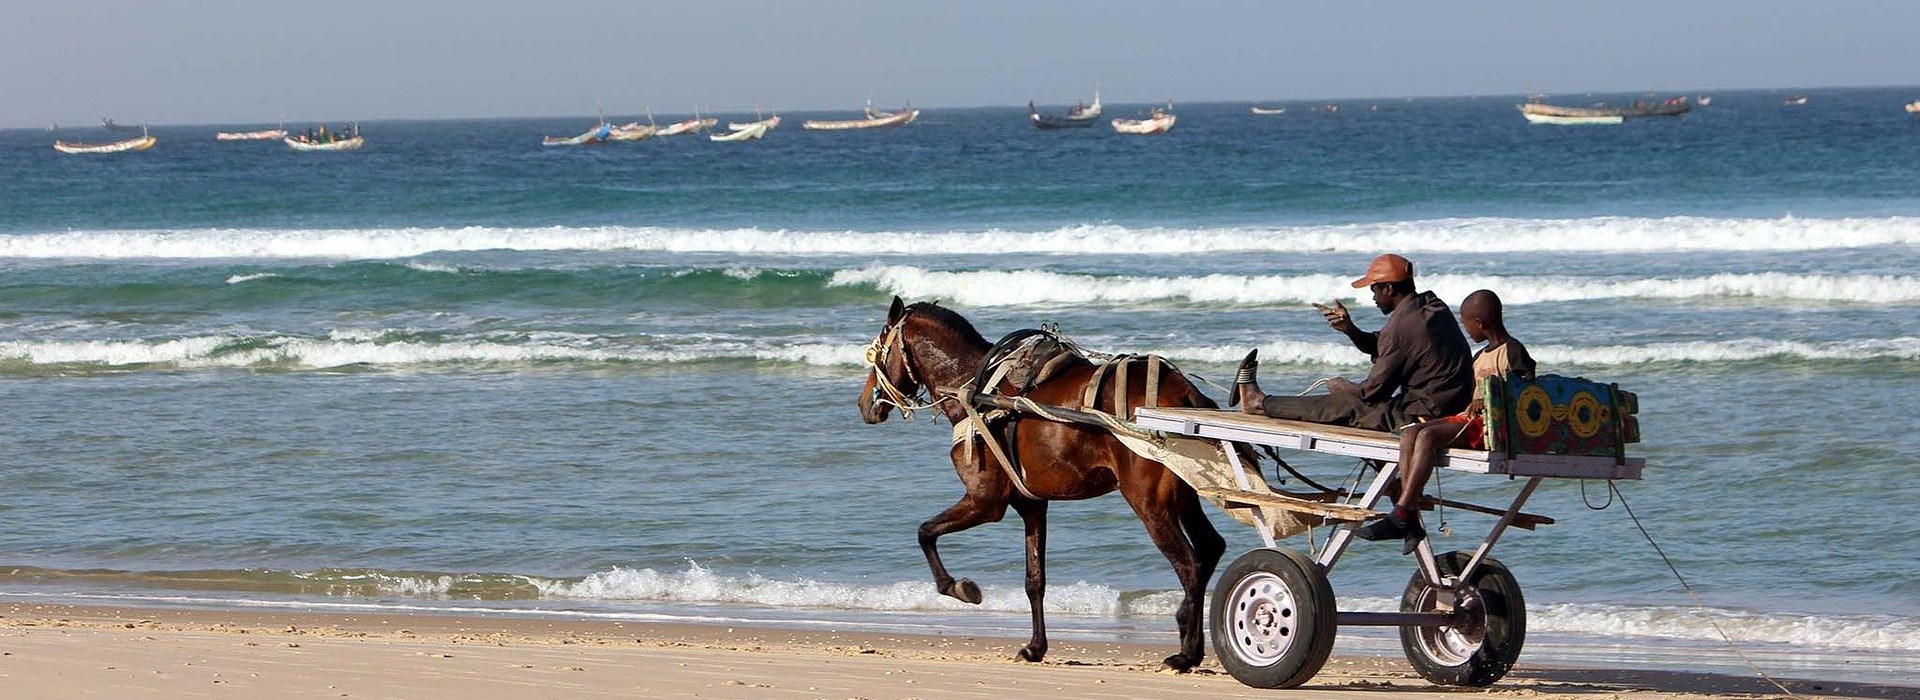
(876, 357)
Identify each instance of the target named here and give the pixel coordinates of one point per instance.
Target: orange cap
(1386, 268)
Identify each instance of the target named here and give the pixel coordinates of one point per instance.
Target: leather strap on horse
(993, 445)
(1153, 381)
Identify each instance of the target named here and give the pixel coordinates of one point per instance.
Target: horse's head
(890, 379)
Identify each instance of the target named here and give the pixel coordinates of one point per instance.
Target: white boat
(631, 131)
(266, 135)
(769, 122)
(1156, 123)
(1533, 118)
(1913, 107)
(1795, 101)
(1703, 100)
(351, 143)
(598, 134)
(874, 120)
(694, 125)
(138, 144)
(753, 131)
(1257, 109)
(338, 141)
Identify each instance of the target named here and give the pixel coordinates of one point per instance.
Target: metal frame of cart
(1273, 616)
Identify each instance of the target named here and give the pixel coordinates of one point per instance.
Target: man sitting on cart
(1422, 366)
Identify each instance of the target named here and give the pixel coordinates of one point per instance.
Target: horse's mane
(956, 324)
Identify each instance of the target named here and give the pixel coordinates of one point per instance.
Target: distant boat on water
(1795, 101)
(323, 140)
(1543, 113)
(753, 131)
(875, 120)
(1913, 107)
(1081, 116)
(688, 126)
(266, 135)
(109, 125)
(758, 120)
(1266, 111)
(598, 134)
(144, 142)
(1703, 100)
(1157, 122)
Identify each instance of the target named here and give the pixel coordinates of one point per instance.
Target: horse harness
(1025, 359)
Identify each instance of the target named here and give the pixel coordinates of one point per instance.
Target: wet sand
(53, 651)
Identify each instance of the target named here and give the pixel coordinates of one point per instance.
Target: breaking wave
(1460, 235)
(1035, 287)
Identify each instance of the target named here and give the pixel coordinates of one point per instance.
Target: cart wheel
(1273, 619)
(1485, 643)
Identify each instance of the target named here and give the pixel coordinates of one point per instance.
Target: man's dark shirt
(1421, 351)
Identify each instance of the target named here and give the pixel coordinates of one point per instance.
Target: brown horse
(924, 346)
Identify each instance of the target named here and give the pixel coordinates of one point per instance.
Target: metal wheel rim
(1447, 645)
(1263, 618)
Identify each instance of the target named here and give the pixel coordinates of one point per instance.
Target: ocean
(459, 371)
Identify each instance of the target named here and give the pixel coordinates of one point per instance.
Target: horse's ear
(899, 309)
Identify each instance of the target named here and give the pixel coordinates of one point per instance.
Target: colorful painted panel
(1559, 415)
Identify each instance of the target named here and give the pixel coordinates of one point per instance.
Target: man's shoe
(1244, 376)
(1391, 527)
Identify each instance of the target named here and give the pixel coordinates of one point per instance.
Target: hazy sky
(238, 61)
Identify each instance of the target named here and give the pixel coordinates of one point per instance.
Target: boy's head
(1480, 312)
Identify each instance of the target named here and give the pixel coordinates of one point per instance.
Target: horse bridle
(876, 356)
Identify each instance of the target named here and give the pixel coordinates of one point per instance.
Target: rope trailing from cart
(1699, 604)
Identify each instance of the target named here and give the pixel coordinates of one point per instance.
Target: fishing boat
(689, 126)
(108, 124)
(752, 131)
(1703, 100)
(1082, 115)
(1533, 118)
(744, 125)
(1267, 111)
(1796, 101)
(631, 131)
(1913, 107)
(137, 144)
(598, 134)
(1157, 122)
(324, 141)
(875, 120)
(265, 135)
(1543, 113)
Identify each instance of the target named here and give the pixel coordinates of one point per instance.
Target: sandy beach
(49, 651)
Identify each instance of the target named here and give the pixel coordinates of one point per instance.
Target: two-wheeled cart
(1462, 617)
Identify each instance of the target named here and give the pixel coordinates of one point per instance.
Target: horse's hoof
(1029, 653)
(1179, 663)
(965, 591)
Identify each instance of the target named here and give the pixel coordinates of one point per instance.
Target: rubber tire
(1506, 615)
(1312, 634)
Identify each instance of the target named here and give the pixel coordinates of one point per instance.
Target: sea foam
(1458, 235)
(1037, 287)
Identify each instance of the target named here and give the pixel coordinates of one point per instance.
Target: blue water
(457, 369)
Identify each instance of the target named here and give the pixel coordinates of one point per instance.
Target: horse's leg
(970, 511)
(1034, 515)
(1157, 505)
(1208, 545)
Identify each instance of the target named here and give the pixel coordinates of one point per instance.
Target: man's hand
(1337, 317)
(1476, 407)
(1341, 385)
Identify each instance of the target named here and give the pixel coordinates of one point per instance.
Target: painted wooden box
(1559, 415)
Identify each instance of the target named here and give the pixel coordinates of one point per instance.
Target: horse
(928, 347)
